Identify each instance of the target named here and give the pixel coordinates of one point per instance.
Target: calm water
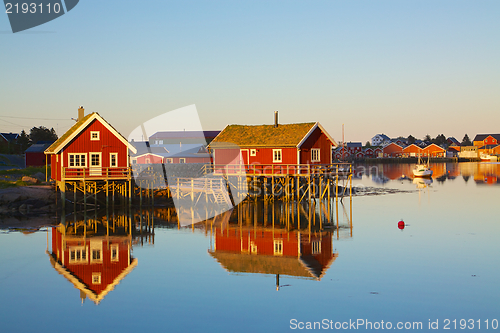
(222, 275)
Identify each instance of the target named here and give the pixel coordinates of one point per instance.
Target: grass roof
(68, 133)
(264, 135)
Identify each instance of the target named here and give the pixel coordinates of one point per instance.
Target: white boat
(422, 170)
(487, 157)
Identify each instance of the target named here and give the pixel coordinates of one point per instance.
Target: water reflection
(93, 250)
(277, 239)
(94, 254)
(482, 173)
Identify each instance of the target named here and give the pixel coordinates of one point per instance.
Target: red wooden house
(95, 265)
(91, 148)
(278, 145)
(412, 151)
(35, 155)
(393, 150)
(150, 155)
(434, 150)
(368, 152)
(486, 139)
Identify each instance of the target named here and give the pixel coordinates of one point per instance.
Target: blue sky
(394, 67)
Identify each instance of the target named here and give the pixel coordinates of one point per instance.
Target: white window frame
(169, 160)
(80, 165)
(95, 246)
(114, 247)
(95, 136)
(182, 160)
(147, 160)
(96, 278)
(315, 155)
(111, 160)
(253, 152)
(277, 156)
(278, 247)
(100, 159)
(80, 255)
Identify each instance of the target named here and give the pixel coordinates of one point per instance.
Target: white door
(95, 166)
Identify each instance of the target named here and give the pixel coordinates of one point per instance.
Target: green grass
(29, 171)
(6, 184)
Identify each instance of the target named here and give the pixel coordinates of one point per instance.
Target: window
(147, 160)
(77, 255)
(96, 255)
(96, 278)
(169, 161)
(182, 160)
(253, 247)
(113, 159)
(94, 135)
(95, 252)
(276, 155)
(114, 252)
(253, 152)
(316, 247)
(95, 159)
(315, 155)
(77, 160)
(278, 247)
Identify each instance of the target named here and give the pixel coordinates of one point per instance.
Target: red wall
(107, 143)
(393, 150)
(317, 139)
(35, 159)
(153, 159)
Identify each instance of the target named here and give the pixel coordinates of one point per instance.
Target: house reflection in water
(93, 254)
(291, 245)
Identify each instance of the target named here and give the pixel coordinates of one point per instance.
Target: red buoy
(401, 224)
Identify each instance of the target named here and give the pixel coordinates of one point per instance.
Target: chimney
(81, 112)
(275, 119)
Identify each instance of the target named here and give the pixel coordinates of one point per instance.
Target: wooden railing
(94, 173)
(278, 169)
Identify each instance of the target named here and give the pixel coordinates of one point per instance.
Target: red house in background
(434, 150)
(393, 150)
(412, 151)
(91, 148)
(35, 155)
(288, 144)
(486, 139)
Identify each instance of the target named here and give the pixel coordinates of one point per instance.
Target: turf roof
(264, 135)
(67, 134)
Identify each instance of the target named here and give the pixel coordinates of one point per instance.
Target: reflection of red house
(393, 150)
(268, 251)
(95, 265)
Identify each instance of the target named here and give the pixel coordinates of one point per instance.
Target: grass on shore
(29, 171)
(8, 184)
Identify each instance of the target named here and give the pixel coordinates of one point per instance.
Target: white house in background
(380, 139)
